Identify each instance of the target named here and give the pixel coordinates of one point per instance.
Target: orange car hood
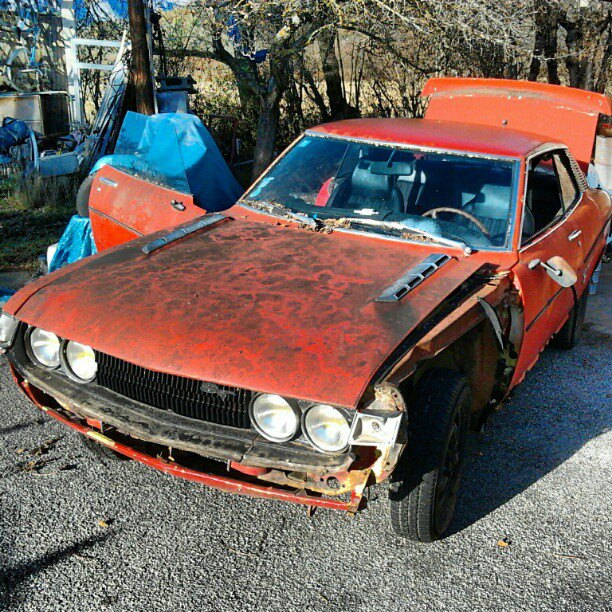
(250, 302)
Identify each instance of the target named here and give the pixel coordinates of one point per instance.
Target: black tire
(570, 333)
(82, 197)
(103, 453)
(423, 489)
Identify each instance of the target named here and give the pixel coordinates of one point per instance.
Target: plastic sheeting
(5, 295)
(12, 132)
(76, 242)
(176, 151)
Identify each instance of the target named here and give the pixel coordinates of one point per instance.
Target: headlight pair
(278, 420)
(45, 349)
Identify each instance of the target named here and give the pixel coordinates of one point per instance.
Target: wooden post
(141, 79)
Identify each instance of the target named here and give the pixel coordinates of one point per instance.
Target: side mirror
(558, 269)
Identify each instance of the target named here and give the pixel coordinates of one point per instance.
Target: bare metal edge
(181, 233)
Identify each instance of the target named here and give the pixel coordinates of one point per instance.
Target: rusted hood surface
(249, 302)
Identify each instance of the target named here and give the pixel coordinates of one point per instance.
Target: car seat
(370, 191)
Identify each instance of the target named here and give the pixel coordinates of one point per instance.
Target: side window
(543, 204)
(567, 182)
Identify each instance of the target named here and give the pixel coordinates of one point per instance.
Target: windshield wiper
(280, 210)
(400, 227)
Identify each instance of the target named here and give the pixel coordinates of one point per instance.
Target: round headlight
(274, 417)
(79, 360)
(44, 347)
(327, 428)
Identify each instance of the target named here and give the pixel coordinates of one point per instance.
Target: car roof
(436, 134)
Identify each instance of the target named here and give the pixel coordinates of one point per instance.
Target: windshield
(385, 188)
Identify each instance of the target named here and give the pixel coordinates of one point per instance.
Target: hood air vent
(414, 277)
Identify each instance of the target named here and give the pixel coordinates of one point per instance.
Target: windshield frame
(514, 187)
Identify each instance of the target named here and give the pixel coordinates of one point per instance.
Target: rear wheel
(424, 484)
(82, 198)
(570, 333)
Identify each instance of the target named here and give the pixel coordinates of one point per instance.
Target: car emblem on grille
(207, 387)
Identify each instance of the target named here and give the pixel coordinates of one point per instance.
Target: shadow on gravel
(18, 427)
(542, 427)
(12, 577)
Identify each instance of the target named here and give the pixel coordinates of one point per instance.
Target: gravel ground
(80, 535)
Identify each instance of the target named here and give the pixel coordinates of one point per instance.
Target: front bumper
(293, 468)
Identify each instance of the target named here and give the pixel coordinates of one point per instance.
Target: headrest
(366, 183)
(493, 201)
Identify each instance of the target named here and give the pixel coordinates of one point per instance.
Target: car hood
(249, 302)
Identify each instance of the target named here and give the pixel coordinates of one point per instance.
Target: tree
(141, 80)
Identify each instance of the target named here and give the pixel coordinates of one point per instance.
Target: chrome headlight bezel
(346, 416)
(68, 367)
(8, 329)
(31, 352)
(291, 405)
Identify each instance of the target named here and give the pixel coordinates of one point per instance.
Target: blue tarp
(12, 132)
(76, 242)
(175, 150)
(5, 295)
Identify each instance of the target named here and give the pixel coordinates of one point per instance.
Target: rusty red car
(376, 293)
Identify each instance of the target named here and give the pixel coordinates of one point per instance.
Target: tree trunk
(267, 128)
(339, 107)
(572, 61)
(141, 79)
(547, 26)
(606, 63)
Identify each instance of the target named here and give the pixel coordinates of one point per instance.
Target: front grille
(185, 396)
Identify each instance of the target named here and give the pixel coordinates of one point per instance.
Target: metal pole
(73, 75)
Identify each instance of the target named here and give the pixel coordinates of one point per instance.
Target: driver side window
(544, 202)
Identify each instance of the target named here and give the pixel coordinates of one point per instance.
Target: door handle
(574, 235)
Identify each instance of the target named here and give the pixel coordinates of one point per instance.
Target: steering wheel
(433, 213)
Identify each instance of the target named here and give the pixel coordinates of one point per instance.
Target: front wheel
(424, 484)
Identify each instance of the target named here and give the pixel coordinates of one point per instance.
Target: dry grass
(33, 215)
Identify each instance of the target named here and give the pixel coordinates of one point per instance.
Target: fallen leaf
(102, 523)
(504, 542)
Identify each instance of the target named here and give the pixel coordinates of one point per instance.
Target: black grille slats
(185, 396)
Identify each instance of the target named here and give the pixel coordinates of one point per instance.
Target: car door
(589, 218)
(123, 206)
(548, 229)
